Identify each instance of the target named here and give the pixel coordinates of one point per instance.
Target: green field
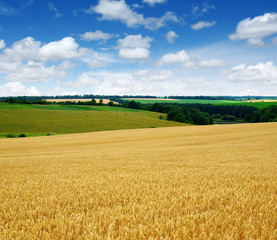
(214, 102)
(36, 120)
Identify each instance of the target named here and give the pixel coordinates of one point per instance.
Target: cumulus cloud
(202, 24)
(134, 47)
(66, 48)
(134, 54)
(25, 49)
(170, 58)
(188, 62)
(254, 30)
(2, 44)
(26, 60)
(96, 36)
(171, 36)
(266, 72)
(153, 2)
(34, 71)
(120, 11)
(17, 89)
(134, 41)
(31, 50)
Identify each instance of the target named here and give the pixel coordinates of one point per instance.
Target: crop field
(105, 101)
(60, 119)
(154, 100)
(192, 182)
(258, 104)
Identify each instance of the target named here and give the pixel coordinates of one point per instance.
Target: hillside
(197, 182)
(60, 119)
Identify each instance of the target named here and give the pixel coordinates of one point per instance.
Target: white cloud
(266, 72)
(134, 54)
(154, 23)
(2, 44)
(200, 10)
(202, 24)
(95, 59)
(97, 63)
(170, 58)
(249, 92)
(119, 10)
(188, 62)
(27, 60)
(135, 5)
(103, 79)
(256, 42)
(171, 36)
(65, 93)
(146, 81)
(134, 41)
(211, 63)
(28, 49)
(153, 76)
(96, 36)
(254, 30)
(85, 79)
(66, 48)
(35, 72)
(25, 49)
(134, 47)
(17, 89)
(153, 2)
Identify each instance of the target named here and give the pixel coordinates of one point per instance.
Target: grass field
(195, 182)
(214, 102)
(59, 119)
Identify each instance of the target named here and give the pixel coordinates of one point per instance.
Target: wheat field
(193, 182)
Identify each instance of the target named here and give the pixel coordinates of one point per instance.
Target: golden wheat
(105, 101)
(199, 182)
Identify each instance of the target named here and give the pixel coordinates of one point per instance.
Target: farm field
(258, 104)
(60, 119)
(154, 100)
(193, 182)
(105, 101)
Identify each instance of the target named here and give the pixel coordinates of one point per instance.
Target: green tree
(134, 105)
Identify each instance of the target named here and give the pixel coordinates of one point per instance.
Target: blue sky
(138, 47)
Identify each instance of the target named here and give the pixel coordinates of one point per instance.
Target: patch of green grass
(213, 102)
(143, 101)
(59, 119)
(66, 107)
(260, 104)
